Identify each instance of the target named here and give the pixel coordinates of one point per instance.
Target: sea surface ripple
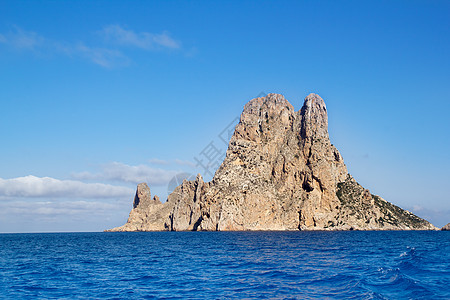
(224, 265)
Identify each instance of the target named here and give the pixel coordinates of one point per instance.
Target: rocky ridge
(281, 172)
(446, 227)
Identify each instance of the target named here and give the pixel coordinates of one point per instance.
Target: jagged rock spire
(281, 172)
(143, 195)
(315, 118)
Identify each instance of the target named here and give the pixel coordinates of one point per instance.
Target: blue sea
(224, 265)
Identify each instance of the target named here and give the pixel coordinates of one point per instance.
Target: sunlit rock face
(281, 172)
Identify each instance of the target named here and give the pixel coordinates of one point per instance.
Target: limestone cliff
(280, 173)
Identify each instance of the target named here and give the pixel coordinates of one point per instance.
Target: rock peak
(314, 99)
(143, 195)
(281, 172)
(272, 102)
(199, 178)
(314, 117)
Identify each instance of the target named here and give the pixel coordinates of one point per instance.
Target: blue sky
(98, 96)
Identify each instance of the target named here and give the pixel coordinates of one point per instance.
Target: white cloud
(103, 57)
(101, 54)
(165, 40)
(144, 40)
(28, 40)
(116, 171)
(56, 207)
(437, 216)
(178, 162)
(32, 186)
(58, 215)
(184, 163)
(158, 161)
(22, 39)
(417, 208)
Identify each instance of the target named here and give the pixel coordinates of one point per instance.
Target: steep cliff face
(280, 173)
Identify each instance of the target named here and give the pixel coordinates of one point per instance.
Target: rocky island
(281, 172)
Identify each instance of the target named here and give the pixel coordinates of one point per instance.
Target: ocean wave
(276, 265)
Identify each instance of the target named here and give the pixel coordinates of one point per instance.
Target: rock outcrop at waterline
(446, 227)
(280, 173)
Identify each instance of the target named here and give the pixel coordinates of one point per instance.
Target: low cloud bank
(32, 186)
(121, 172)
